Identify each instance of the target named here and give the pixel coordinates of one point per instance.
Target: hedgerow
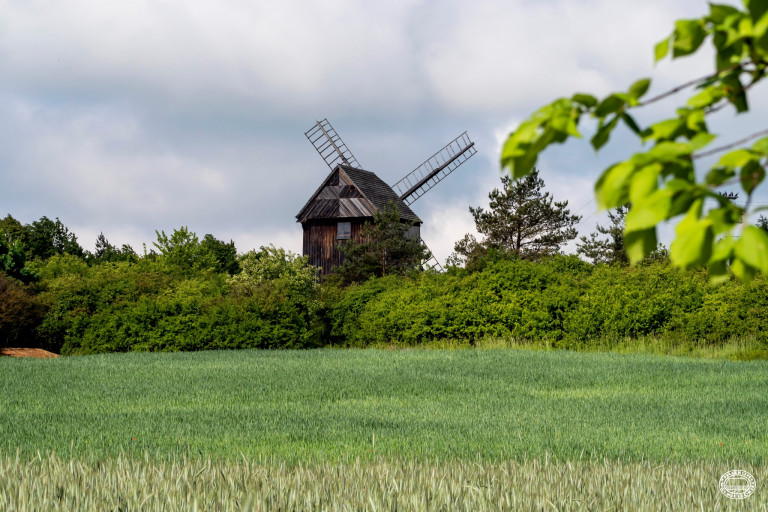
(562, 302)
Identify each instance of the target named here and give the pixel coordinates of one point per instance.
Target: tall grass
(147, 484)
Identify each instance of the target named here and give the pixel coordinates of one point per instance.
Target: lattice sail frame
(416, 183)
(328, 143)
(430, 263)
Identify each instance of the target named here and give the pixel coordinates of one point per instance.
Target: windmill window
(344, 231)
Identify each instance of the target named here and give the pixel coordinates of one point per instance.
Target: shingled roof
(349, 192)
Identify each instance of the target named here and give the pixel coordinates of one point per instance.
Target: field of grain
(51, 483)
(474, 429)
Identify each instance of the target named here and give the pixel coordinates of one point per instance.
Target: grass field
(592, 419)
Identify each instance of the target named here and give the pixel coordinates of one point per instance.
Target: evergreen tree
(608, 250)
(522, 221)
(108, 252)
(762, 222)
(388, 247)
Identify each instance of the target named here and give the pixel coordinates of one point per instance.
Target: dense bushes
(144, 306)
(562, 302)
(273, 302)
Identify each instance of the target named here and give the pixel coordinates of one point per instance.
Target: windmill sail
(430, 263)
(330, 146)
(435, 169)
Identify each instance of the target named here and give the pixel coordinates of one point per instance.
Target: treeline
(195, 294)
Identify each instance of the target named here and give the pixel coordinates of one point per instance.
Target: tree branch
(679, 88)
(729, 146)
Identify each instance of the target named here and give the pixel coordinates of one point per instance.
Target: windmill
(349, 196)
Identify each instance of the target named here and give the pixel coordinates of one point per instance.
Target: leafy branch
(660, 183)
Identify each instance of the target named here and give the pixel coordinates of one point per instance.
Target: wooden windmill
(349, 196)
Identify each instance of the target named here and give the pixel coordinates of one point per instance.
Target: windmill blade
(330, 146)
(430, 263)
(435, 169)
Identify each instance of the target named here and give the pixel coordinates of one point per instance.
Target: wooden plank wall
(321, 245)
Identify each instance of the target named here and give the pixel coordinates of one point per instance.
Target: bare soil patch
(26, 352)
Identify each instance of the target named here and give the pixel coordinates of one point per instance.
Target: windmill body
(350, 196)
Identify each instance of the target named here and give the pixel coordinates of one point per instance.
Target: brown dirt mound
(26, 352)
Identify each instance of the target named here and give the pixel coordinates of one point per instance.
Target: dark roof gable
(350, 192)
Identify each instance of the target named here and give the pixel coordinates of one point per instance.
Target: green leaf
(670, 151)
(587, 100)
(751, 176)
(604, 133)
(756, 8)
(723, 249)
(630, 122)
(668, 129)
(695, 121)
(736, 93)
(564, 122)
(688, 36)
(742, 270)
(760, 32)
(681, 200)
(644, 182)
(736, 159)
(745, 27)
(648, 212)
(718, 272)
(611, 187)
(639, 244)
(609, 105)
(719, 12)
(705, 98)
(761, 146)
(661, 49)
(638, 89)
(701, 140)
(723, 219)
(692, 245)
(519, 154)
(752, 248)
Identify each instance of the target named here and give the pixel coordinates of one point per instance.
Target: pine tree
(387, 247)
(608, 250)
(522, 221)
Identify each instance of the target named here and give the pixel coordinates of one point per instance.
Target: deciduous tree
(45, 238)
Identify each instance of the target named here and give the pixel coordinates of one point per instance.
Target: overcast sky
(129, 116)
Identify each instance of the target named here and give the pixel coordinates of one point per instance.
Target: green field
(518, 426)
(344, 404)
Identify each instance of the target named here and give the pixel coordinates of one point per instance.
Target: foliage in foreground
(125, 483)
(662, 183)
(320, 405)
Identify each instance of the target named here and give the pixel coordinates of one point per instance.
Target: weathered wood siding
(321, 243)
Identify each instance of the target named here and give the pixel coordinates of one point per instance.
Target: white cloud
(126, 117)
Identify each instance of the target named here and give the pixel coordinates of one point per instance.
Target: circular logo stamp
(737, 484)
